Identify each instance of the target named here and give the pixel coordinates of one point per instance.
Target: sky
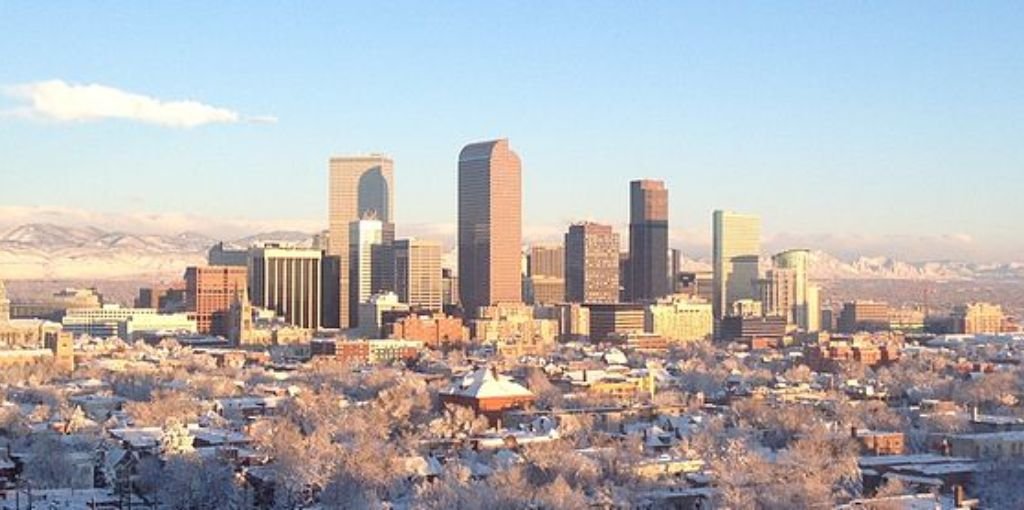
(874, 128)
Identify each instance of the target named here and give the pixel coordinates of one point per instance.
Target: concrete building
(54, 307)
(608, 320)
(736, 256)
(734, 328)
(543, 290)
(449, 288)
(369, 263)
(591, 264)
(113, 320)
(778, 294)
(862, 315)
(359, 187)
(978, 318)
(803, 298)
(220, 255)
(680, 319)
(573, 320)
(372, 310)
(514, 330)
(648, 241)
(367, 352)
(418, 274)
(435, 331)
(490, 225)
(546, 260)
(209, 291)
(287, 280)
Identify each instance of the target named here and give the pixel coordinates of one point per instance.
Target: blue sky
(896, 125)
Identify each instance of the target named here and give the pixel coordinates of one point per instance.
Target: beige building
(359, 186)
(805, 306)
(681, 319)
(513, 329)
(371, 313)
(573, 320)
(778, 294)
(547, 260)
(30, 341)
(418, 274)
(490, 225)
(287, 281)
(736, 256)
(978, 318)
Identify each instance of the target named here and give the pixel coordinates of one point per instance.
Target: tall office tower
(287, 281)
(545, 279)
(736, 254)
(547, 261)
(591, 264)
(209, 291)
(490, 225)
(804, 313)
(648, 240)
(417, 271)
(359, 186)
(364, 237)
(675, 266)
(778, 291)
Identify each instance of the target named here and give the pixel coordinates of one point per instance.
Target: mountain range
(47, 251)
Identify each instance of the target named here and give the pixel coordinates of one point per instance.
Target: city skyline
(867, 168)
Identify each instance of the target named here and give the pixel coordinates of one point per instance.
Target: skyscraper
(287, 280)
(591, 264)
(804, 297)
(736, 254)
(545, 279)
(418, 273)
(209, 292)
(364, 236)
(648, 240)
(359, 187)
(490, 225)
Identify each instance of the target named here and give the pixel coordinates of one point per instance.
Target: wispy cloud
(67, 102)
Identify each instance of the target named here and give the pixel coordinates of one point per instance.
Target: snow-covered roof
(486, 382)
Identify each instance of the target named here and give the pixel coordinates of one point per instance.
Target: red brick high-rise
(209, 291)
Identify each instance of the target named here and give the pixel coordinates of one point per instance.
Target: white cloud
(67, 102)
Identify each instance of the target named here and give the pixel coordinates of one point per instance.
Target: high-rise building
(648, 240)
(544, 282)
(490, 225)
(209, 291)
(806, 311)
(736, 257)
(287, 280)
(547, 260)
(417, 271)
(366, 261)
(778, 294)
(591, 264)
(359, 187)
(675, 267)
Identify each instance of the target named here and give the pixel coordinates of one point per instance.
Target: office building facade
(648, 241)
(736, 257)
(591, 264)
(359, 187)
(489, 225)
(287, 281)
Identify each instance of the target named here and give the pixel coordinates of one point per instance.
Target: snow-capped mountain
(47, 251)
